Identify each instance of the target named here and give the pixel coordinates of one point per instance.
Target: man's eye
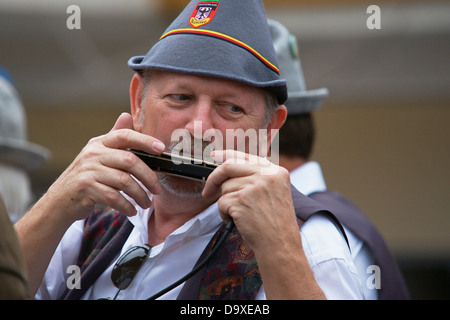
(180, 97)
(235, 109)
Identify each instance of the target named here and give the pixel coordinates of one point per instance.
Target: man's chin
(181, 187)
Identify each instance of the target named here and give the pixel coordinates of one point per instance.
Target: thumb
(124, 121)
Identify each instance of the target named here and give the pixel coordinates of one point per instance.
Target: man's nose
(201, 119)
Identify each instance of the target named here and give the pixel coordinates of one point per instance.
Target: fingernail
(159, 146)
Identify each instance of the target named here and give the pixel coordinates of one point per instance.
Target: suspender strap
(101, 262)
(393, 285)
(305, 207)
(191, 287)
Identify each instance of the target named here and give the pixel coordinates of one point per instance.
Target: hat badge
(203, 13)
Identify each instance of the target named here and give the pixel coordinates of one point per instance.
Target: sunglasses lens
(128, 265)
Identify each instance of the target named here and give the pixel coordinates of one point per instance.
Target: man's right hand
(97, 175)
(104, 168)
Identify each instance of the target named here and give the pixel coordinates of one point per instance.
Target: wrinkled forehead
(216, 87)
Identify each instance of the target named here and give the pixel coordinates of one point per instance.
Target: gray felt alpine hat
(300, 100)
(15, 150)
(227, 39)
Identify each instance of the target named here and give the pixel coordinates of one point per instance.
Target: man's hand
(256, 194)
(97, 175)
(104, 168)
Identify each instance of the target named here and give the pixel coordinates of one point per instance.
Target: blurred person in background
(13, 282)
(296, 140)
(18, 157)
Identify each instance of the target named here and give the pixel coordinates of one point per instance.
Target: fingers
(239, 157)
(114, 170)
(235, 164)
(119, 180)
(105, 167)
(124, 121)
(122, 136)
(125, 163)
(233, 191)
(225, 205)
(111, 197)
(129, 139)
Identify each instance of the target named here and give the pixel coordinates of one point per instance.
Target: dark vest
(393, 285)
(231, 274)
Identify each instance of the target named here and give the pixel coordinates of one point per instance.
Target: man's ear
(277, 121)
(136, 87)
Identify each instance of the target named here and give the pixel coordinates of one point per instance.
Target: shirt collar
(201, 224)
(308, 178)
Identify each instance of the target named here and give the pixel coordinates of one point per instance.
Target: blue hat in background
(15, 149)
(300, 100)
(227, 39)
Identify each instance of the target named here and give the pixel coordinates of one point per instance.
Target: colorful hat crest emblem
(203, 13)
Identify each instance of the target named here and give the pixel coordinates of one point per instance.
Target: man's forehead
(172, 80)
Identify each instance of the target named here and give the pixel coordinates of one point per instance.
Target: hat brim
(209, 63)
(305, 101)
(23, 154)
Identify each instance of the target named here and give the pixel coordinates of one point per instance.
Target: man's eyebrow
(179, 86)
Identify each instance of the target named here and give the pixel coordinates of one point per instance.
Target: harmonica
(177, 165)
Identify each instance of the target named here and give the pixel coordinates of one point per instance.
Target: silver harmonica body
(177, 165)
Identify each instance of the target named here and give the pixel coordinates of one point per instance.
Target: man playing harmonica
(219, 71)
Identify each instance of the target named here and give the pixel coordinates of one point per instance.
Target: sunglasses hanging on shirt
(129, 264)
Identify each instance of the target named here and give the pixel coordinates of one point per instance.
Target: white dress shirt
(324, 246)
(307, 179)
